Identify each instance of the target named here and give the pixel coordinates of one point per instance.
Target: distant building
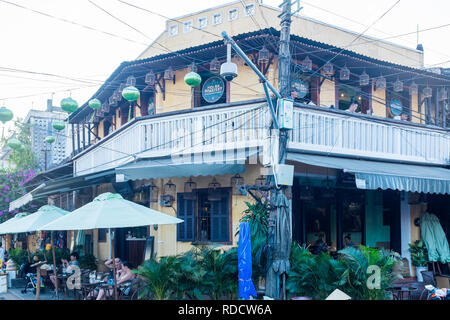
(48, 155)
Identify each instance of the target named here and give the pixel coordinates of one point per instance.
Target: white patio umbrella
(4, 225)
(107, 211)
(33, 222)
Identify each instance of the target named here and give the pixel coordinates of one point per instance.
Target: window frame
(229, 14)
(198, 22)
(175, 27)
(196, 232)
(246, 9)
(219, 14)
(191, 22)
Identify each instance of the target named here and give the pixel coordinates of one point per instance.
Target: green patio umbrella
(108, 211)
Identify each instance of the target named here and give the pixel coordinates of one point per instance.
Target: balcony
(245, 125)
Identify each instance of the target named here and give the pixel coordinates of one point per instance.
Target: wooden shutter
(220, 219)
(185, 211)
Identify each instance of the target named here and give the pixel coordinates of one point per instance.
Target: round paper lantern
(95, 104)
(130, 93)
(14, 144)
(69, 105)
(48, 246)
(58, 125)
(50, 139)
(192, 79)
(5, 114)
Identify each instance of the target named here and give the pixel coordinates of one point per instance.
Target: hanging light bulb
(380, 82)
(344, 73)
(398, 85)
(263, 55)
(307, 63)
(413, 89)
(169, 74)
(150, 78)
(364, 79)
(131, 82)
(214, 65)
(427, 92)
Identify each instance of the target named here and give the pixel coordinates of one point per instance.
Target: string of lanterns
(380, 82)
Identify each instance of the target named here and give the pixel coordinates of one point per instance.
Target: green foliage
(221, 277)
(257, 216)
(12, 187)
(313, 276)
(419, 253)
(318, 276)
(19, 256)
(88, 261)
(188, 277)
(357, 262)
(192, 275)
(158, 277)
(45, 255)
(24, 158)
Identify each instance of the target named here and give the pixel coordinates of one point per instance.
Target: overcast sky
(33, 42)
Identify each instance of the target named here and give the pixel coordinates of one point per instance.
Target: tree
(23, 158)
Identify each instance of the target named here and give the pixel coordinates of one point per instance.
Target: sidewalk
(16, 294)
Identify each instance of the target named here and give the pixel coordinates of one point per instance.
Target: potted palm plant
(419, 257)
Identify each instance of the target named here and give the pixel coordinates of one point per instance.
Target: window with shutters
(205, 219)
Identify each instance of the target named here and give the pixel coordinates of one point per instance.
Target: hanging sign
(396, 107)
(213, 89)
(299, 88)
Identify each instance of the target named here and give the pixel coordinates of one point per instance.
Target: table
(400, 292)
(87, 287)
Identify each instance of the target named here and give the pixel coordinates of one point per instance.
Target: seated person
(67, 265)
(124, 275)
(403, 117)
(109, 278)
(348, 241)
(353, 107)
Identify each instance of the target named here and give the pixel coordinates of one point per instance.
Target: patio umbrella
(33, 222)
(110, 210)
(4, 225)
(280, 265)
(434, 237)
(246, 287)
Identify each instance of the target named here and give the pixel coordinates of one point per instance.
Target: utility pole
(276, 282)
(281, 125)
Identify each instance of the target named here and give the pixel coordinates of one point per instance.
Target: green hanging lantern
(192, 79)
(5, 115)
(59, 125)
(130, 94)
(14, 144)
(95, 104)
(69, 105)
(50, 139)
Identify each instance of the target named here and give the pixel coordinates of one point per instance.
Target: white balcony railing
(236, 127)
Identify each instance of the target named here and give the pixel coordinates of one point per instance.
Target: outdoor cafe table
(87, 287)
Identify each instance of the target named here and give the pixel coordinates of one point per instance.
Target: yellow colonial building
(183, 150)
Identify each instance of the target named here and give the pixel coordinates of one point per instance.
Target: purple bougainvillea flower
(6, 199)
